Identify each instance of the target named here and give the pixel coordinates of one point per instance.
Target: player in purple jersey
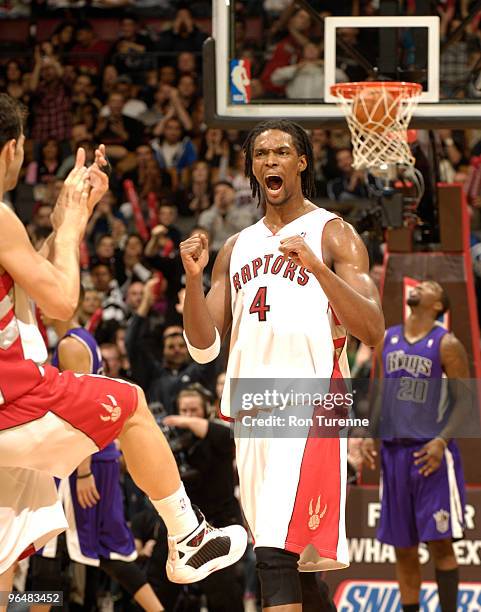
(98, 534)
(422, 478)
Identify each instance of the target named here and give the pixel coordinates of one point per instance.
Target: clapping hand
(99, 178)
(74, 195)
(84, 186)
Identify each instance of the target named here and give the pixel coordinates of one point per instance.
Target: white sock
(177, 513)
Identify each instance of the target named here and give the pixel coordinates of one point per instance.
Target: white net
(378, 115)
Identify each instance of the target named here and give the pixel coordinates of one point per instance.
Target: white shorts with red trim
(293, 494)
(30, 513)
(61, 419)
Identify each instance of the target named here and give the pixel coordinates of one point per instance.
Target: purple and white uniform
(100, 531)
(415, 408)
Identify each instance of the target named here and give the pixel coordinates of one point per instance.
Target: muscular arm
(204, 313)
(99, 183)
(181, 112)
(47, 248)
(455, 364)
(350, 290)
(454, 360)
(35, 75)
(54, 286)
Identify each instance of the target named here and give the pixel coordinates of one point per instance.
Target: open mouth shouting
(273, 183)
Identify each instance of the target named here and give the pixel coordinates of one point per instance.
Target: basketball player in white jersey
(50, 421)
(289, 287)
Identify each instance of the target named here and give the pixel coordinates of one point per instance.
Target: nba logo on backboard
(240, 81)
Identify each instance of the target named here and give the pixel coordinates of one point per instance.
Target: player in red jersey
(51, 421)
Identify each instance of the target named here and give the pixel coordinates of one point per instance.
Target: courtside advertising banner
(369, 583)
(383, 596)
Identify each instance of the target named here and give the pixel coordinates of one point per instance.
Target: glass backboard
(279, 59)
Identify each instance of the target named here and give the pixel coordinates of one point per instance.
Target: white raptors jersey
(282, 324)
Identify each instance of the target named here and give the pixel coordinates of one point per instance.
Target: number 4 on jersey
(259, 304)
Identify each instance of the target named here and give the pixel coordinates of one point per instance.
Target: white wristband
(207, 354)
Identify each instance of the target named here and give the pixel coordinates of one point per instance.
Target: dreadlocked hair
(303, 146)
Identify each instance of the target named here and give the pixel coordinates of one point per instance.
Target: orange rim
(398, 88)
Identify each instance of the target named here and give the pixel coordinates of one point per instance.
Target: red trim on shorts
(319, 489)
(6, 282)
(316, 513)
(28, 552)
(334, 315)
(5, 320)
(227, 419)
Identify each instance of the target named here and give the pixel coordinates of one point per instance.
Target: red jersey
(20, 343)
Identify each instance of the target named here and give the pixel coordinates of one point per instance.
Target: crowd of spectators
(140, 93)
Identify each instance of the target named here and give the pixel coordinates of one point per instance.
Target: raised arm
(455, 364)
(144, 366)
(349, 288)
(54, 285)
(204, 314)
(180, 111)
(99, 182)
(37, 67)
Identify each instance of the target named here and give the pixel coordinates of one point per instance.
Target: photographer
(208, 451)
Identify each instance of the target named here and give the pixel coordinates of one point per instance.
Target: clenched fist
(195, 254)
(296, 248)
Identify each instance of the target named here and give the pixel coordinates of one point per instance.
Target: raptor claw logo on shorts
(316, 516)
(442, 520)
(113, 409)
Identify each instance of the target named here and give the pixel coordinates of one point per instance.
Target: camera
(180, 441)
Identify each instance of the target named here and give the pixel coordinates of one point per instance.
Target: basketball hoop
(378, 114)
